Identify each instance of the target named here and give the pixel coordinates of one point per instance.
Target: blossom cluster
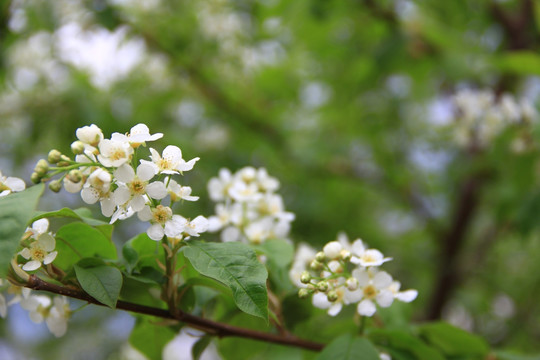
(248, 209)
(111, 172)
(344, 273)
(55, 312)
(39, 244)
(481, 116)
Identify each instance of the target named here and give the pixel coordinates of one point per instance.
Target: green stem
(362, 325)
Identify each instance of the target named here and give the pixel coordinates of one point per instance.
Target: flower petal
(366, 308)
(156, 190)
(155, 232)
(407, 296)
(124, 173)
(145, 171)
(46, 242)
(31, 265)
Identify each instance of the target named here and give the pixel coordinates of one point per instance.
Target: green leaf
(200, 346)
(507, 355)
(16, 210)
(76, 240)
(403, 341)
(150, 339)
(130, 257)
(520, 62)
(147, 249)
(82, 214)
(103, 283)
(278, 251)
(235, 265)
(347, 347)
(453, 341)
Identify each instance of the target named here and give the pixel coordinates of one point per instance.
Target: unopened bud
(303, 293)
(323, 286)
(64, 160)
(55, 186)
(305, 277)
(320, 257)
(315, 265)
(35, 178)
(75, 176)
(77, 147)
(345, 255)
(42, 167)
(54, 156)
(332, 296)
(352, 284)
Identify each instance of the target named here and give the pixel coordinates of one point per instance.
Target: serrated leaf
(347, 347)
(453, 341)
(103, 283)
(150, 339)
(235, 265)
(16, 211)
(76, 240)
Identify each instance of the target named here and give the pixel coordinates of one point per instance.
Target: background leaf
(235, 265)
(347, 347)
(150, 338)
(454, 341)
(103, 283)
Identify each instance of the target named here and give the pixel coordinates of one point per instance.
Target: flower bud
(320, 257)
(55, 185)
(345, 255)
(64, 160)
(75, 176)
(315, 265)
(77, 147)
(42, 167)
(323, 286)
(332, 296)
(303, 293)
(54, 156)
(305, 277)
(35, 178)
(352, 283)
(332, 249)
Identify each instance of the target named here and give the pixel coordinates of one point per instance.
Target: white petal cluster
(40, 249)
(54, 312)
(248, 209)
(17, 294)
(9, 184)
(481, 116)
(109, 171)
(343, 274)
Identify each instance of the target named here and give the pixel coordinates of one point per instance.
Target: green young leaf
(76, 240)
(150, 339)
(235, 265)
(406, 343)
(103, 283)
(82, 214)
(15, 213)
(454, 341)
(347, 347)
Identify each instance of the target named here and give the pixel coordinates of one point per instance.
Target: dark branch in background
(211, 327)
(452, 242)
(519, 27)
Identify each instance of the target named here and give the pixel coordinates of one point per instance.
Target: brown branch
(212, 327)
(452, 241)
(516, 26)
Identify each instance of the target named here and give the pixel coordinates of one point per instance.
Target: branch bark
(211, 327)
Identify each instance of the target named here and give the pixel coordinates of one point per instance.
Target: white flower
(385, 356)
(19, 293)
(332, 249)
(90, 135)
(218, 187)
(244, 192)
(114, 153)
(171, 162)
(10, 184)
(136, 186)
(178, 192)
(320, 300)
(139, 134)
(97, 186)
(304, 255)
(58, 316)
(72, 187)
(366, 257)
(196, 226)
(260, 230)
(38, 227)
(40, 251)
(405, 296)
(37, 306)
(373, 288)
(163, 222)
(266, 182)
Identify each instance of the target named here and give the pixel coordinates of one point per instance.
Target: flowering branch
(211, 327)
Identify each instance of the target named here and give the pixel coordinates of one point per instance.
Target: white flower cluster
(9, 184)
(111, 172)
(40, 249)
(55, 311)
(481, 116)
(345, 273)
(248, 209)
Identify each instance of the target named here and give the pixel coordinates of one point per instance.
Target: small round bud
(54, 156)
(64, 161)
(303, 293)
(332, 296)
(42, 167)
(345, 255)
(323, 286)
(352, 283)
(311, 287)
(320, 257)
(55, 185)
(77, 147)
(332, 249)
(315, 265)
(35, 178)
(75, 176)
(305, 277)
